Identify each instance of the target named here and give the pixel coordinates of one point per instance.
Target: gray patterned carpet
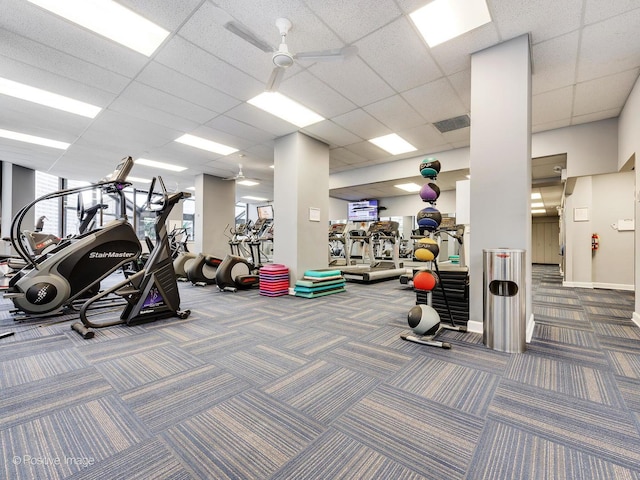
(251, 387)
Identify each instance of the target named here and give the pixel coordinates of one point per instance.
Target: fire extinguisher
(595, 242)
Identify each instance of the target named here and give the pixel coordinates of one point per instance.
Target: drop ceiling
(586, 59)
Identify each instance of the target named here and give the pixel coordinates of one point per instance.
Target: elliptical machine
(201, 271)
(151, 293)
(51, 282)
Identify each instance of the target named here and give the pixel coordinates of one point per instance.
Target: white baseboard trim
(607, 286)
(614, 286)
(577, 284)
(530, 326)
(475, 327)
(636, 318)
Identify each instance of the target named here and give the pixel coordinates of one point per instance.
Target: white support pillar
(215, 210)
(301, 204)
(500, 162)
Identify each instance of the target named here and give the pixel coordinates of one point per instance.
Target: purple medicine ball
(429, 192)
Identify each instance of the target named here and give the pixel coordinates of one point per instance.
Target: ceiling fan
(281, 57)
(240, 176)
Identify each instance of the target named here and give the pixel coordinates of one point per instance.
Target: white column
(301, 204)
(500, 160)
(215, 210)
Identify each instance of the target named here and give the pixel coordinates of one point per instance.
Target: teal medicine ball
(430, 167)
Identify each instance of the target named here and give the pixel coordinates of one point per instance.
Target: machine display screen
(265, 212)
(363, 211)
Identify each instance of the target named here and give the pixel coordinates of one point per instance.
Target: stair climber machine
(151, 293)
(50, 283)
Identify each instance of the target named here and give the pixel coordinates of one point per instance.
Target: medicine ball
(429, 218)
(430, 167)
(429, 192)
(425, 280)
(423, 319)
(426, 249)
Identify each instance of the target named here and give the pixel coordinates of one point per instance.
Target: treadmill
(383, 267)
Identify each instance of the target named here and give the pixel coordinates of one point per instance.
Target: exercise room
(307, 239)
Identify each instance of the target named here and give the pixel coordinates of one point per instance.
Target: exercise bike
(50, 283)
(151, 293)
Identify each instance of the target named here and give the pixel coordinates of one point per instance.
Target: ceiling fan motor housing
(282, 59)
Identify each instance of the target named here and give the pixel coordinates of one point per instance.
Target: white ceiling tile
(551, 106)
(168, 15)
(49, 29)
(368, 19)
(331, 133)
(425, 138)
(554, 63)
(17, 50)
(609, 47)
(354, 79)
(604, 93)
(185, 57)
(395, 113)
(596, 116)
(347, 156)
(544, 18)
(261, 120)
(161, 101)
(33, 119)
(399, 56)
(238, 129)
(368, 150)
(597, 10)
(435, 101)
(362, 124)
(315, 95)
(455, 55)
(461, 83)
(182, 86)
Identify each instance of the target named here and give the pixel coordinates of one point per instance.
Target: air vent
(455, 123)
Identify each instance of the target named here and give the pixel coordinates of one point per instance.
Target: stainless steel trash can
(504, 323)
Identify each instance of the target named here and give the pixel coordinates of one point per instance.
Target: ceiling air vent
(455, 123)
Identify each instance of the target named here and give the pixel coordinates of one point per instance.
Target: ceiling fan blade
(328, 55)
(274, 80)
(247, 35)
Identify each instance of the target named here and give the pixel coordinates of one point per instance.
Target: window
(49, 209)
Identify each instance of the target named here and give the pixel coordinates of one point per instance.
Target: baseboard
(475, 327)
(606, 286)
(636, 318)
(614, 286)
(577, 284)
(530, 326)
(478, 327)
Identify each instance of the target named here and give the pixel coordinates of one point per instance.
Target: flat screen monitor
(265, 212)
(363, 211)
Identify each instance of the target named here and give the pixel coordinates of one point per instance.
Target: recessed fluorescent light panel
(539, 210)
(409, 187)
(111, 20)
(162, 165)
(23, 137)
(393, 144)
(442, 20)
(42, 97)
(204, 144)
(257, 199)
(536, 196)
(537, 205)
(247, 183)
(138, 179)
(283, 107)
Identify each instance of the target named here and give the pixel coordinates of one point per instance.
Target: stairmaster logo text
(93, 255)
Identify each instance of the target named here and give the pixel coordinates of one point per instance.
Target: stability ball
(423, 319)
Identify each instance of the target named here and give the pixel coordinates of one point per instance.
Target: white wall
(629, 146)
(612, 202)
